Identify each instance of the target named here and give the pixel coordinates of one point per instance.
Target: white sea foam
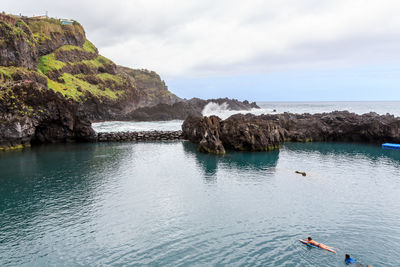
(137, 126)
(222, 110)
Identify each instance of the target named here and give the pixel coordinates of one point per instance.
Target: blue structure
(66, 22)
(391, 146)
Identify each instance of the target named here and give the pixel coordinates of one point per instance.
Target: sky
(260, 50)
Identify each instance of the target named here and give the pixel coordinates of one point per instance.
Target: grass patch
(40, 37)
(96, 63)
(45, 26)
(69, 48)
(89, 47)
(50, 25)
(72, 85)
(6, 72)
(107, 76)
(49, 62)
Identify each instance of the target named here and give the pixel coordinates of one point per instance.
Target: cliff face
(266, 132)
(30, 113)
(152, 89)
(53, 82)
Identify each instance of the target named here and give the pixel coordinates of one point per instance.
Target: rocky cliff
(51, 76)
(266, 132)
(54, 83)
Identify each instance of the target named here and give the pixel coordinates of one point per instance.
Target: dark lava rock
(31, 114)
(265, 132)
(206, 132)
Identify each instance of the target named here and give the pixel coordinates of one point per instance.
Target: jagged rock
(206, 132)
(265, 132)
(17, 48)
(184, 108)
(31, 114)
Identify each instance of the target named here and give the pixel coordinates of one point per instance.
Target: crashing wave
(223, 111)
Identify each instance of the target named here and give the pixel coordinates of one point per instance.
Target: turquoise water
(164, 204)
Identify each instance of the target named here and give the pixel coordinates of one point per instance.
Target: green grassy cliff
(53, 82)
(73, 68)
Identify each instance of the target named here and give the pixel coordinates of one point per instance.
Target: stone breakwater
(139, 136)
(266, 132)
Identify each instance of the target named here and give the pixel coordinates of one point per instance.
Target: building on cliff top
(67, 22)
(41, 17)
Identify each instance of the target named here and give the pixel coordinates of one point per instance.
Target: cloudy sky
(282, 50)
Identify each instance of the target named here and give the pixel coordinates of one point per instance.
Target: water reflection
(38, 183)
(243, 161)
(372, 152)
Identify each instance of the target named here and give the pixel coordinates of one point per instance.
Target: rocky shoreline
(266, 132)
(139, 136)
(54, 84)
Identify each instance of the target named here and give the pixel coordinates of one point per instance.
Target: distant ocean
(359, 107)
(380, 107)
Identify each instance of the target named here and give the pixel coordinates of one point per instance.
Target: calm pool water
(164, 204)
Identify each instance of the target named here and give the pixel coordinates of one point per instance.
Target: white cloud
(180, 38)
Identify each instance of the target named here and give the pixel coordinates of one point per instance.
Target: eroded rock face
(206, 132)
(246, 134)
(265, 132)
(31, 114)
(16, 47)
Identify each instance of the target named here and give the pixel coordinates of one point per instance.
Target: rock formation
(184, 108)
(265, 132)
(54, 83)
(31, 114)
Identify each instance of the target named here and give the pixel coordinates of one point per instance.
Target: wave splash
(223, 111)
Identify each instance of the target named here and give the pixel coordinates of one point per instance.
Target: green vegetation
(49, 62)
(45, 26)
(40, 37)
(115, 78)
(6, 73)
(21, 24)
(93, 80)
(75, 88)
(96, 63)
(89, 47)
(10, 33)
(69, 48)
(16, 147)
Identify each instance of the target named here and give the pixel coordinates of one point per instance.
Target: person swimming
(320, 245)
(349, 260)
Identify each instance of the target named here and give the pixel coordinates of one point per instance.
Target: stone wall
(139, 136)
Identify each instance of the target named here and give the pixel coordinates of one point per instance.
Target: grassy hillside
(71, 64)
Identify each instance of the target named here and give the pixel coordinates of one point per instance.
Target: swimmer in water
(320, 245)
(349, 260)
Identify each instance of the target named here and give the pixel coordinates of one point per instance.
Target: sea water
(165, 204)
(222, 110)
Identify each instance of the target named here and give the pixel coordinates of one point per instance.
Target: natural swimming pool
(166, 204)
